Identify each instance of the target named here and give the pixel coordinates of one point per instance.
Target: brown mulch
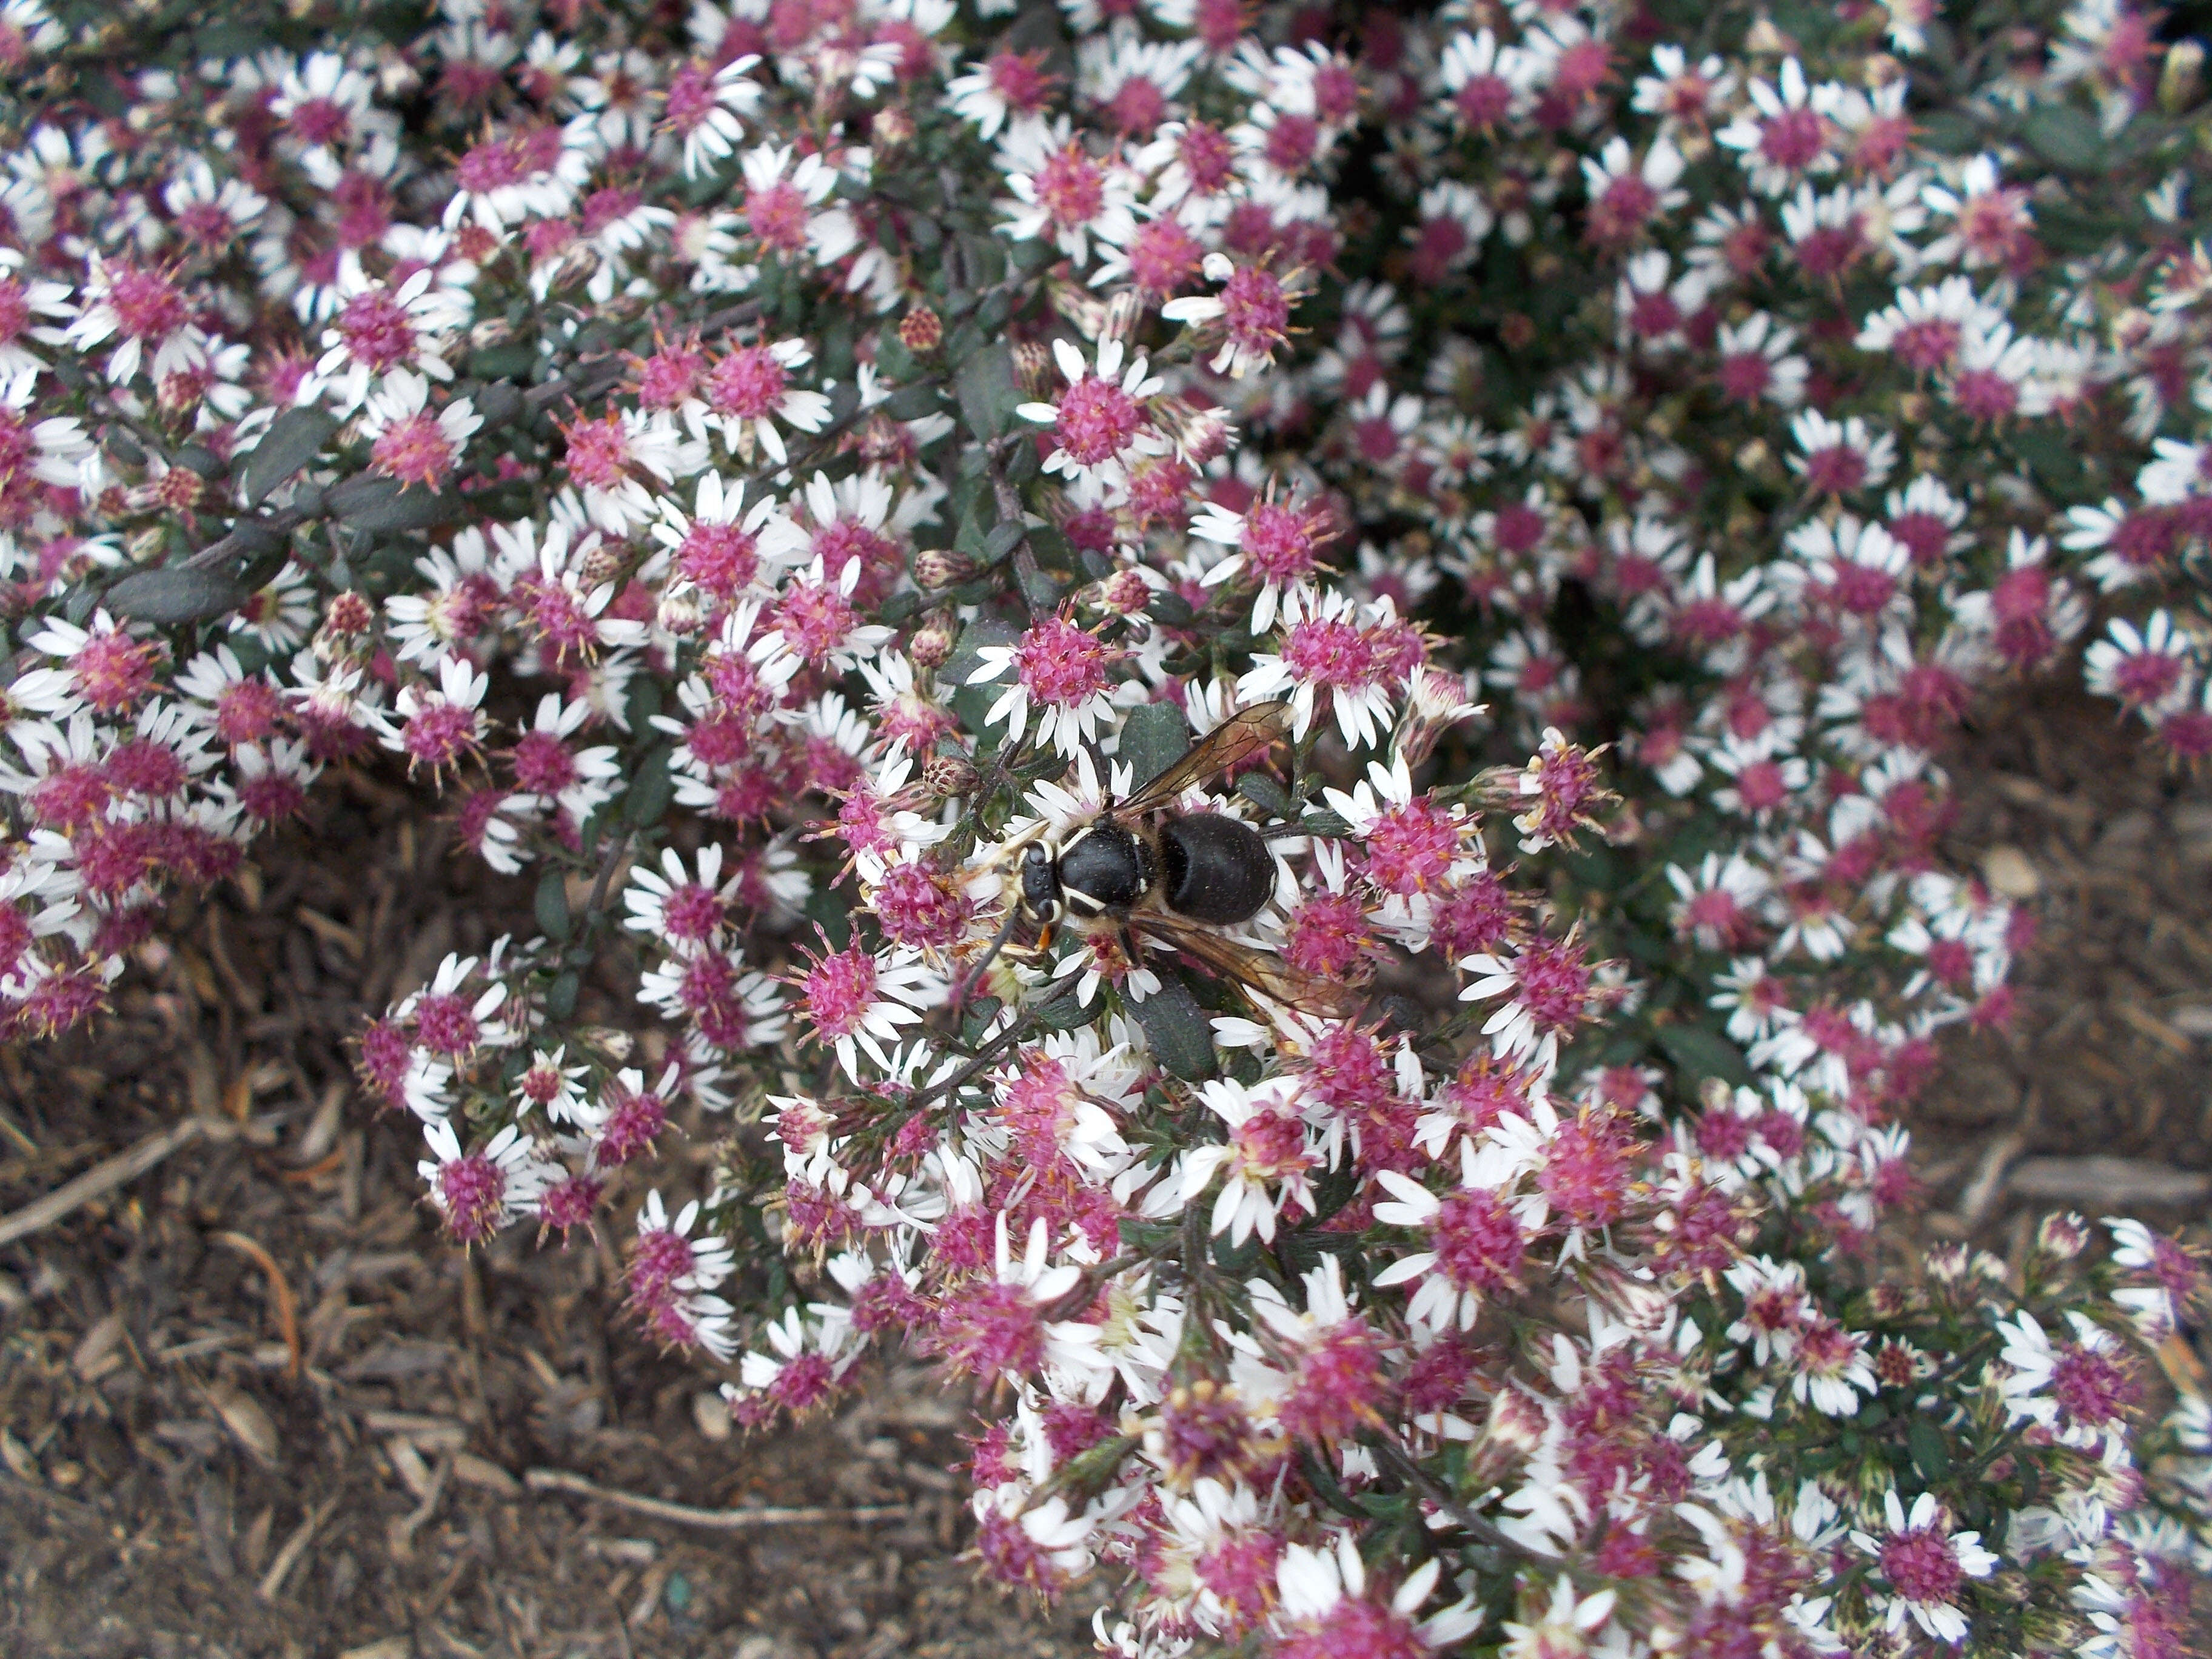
(252, 1404)
(2110, 1056)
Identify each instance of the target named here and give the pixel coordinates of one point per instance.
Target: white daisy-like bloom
(1071, 1346)
(1442, 1299)
(578, 780)
(2177, 469)
(815, 624)
(1490, 84)
(1785, 134)
(441, 998)
(684, 913)
(1313, 1582)
(550, 1082)
(378, 328)
(1100, 423)
(432, 447)
(1058, 673)
(1060, 1536)
(477, 1207)
(606, 457)
(1062, 192)
(325, 105)
(511, 178)
(2032, 1367)
(1266, 1162)
(1568, 1624)
(708, 110)
(854, 1018)
(1931, 1561)
(61, 452)
(40, 300)
(724, 545)
(798, 1333)
(448, 717)
(1362, 700)
(784, 206)
(1870, 453)
(2139, 1249)
(1251, 328)
(146, 313)
(2150, 669)
(1760, 359)
(750, 395)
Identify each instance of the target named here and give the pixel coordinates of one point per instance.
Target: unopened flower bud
(600, 566)
(179, 489)
(941, 567)
(680, 614)
(145, 546)
(1033, 367)
(932, 643)
(1516, 330)
(945, 776)
(921, 330)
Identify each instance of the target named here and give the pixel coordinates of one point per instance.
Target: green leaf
(1930, 1456)
(1154, 737)
(560, 1000)
(651, 790)
(911, 402)
(552, 905)
(293, 439)
(986, 389)
(2064, 136)
(2052, 458)
(1269, 796)
(177, 595)
(1177, 1031)
(502, 363)
(1699, 1053)
(1003, 539)
(380, 504)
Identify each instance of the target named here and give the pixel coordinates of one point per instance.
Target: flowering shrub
(780, 473)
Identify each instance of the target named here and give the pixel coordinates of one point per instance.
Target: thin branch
(718, 1519)
(104, 1178)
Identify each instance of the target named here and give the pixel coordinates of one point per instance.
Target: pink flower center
(777, 214)
(376, 330)
(1070, 188)
(1921, 1566)
(446, 1024)
(147, 305)
(415, 450)
(472, 1192)
(748, 383)
(720, 558)
(1098, 420)
(839, 991)
(1061, 665)
(1477, 1240)
(1792, 140)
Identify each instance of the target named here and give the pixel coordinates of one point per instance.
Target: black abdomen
(1214, 868)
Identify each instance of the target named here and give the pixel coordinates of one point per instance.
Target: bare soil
(253, 1405)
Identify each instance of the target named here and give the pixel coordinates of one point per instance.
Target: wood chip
(249, 1425)
(2113, 1183)
(2009, 874)
(407, 1463)
(485, 1475)
(95, 1355)
(391, 1647)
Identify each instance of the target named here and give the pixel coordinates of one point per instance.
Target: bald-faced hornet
(1145, 866)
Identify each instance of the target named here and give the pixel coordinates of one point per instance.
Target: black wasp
(1145, 867)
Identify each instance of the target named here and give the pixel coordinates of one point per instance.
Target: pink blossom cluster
(780, 474)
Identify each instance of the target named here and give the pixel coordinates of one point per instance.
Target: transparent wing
(1257, 970)
(1247, 733)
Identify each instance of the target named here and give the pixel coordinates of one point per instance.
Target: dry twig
(102, 1179)
(720, 1519)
